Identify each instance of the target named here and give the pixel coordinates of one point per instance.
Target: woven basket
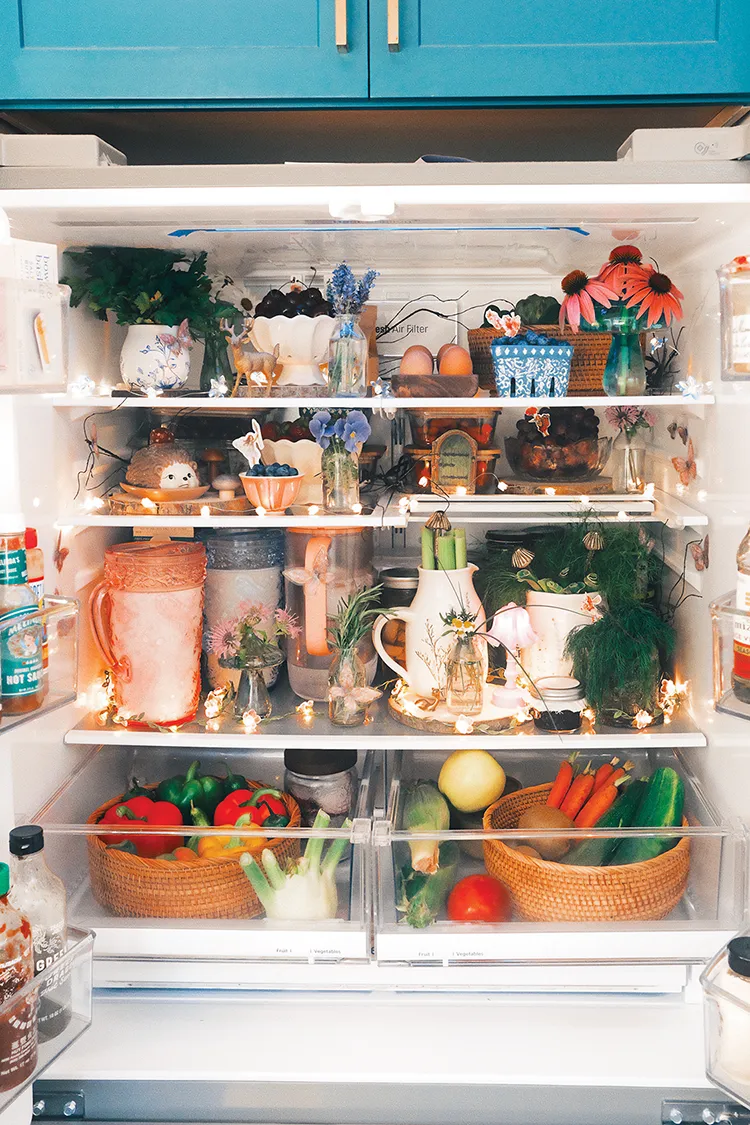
(590, 351)
(555, 892)
(134, 887)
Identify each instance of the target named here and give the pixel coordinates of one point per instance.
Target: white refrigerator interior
(364, 1018)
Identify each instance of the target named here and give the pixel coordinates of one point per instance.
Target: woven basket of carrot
(605, 876)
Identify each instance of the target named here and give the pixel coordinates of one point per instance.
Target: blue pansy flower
(322, 428)
(353, 430)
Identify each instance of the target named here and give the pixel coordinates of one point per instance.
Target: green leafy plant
(538, 310)
(146, 286)
(354, 618)
(619, 658)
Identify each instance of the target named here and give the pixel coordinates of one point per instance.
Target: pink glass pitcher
(146, 618)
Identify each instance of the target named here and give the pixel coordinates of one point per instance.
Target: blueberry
(293, 472)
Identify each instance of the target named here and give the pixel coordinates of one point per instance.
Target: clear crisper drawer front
(674, 908)
(61, 996)
(205, 909)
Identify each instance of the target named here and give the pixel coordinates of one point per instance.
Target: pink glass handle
(402, 613)
(101, 631)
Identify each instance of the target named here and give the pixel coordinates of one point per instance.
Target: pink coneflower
(286, 623)
(223, 639)
(580, 293)
(655, 295)
(624, 265)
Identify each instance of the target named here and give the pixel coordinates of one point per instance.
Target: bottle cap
(739, 956)
(319, 763)
(26, 840)
(4, 878)
(31, 538)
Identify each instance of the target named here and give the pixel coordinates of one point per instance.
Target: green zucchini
(661, 807)
(421, 897)
(595, 852)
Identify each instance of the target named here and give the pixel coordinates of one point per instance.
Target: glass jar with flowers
(626, 297)
(341, 435)
(349, 694)
(466, 662)
(629, 450)
(347, 349)
(248, 642)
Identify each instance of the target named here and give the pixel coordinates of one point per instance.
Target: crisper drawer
(675, 909)
(204, 913)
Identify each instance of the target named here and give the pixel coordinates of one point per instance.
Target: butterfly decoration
(699, 551)
(685, 467)
(673, 429)
(540, 420)
(313, 578)
(183, 339)
(219, 388)
(350, 696)
(60, 554)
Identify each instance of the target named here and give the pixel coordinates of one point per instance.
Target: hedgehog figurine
(162, 466)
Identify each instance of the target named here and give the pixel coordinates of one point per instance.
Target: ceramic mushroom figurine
(213, 459)
(227, 486)
(162, 466)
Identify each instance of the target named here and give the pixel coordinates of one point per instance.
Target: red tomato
(480, 898)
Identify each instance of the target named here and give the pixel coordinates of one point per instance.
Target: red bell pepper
(263, 805)
(143, 811)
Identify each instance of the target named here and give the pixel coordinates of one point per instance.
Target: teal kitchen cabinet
(113, 53)
(553, 50)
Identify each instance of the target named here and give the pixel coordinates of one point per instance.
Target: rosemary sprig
(354, 618)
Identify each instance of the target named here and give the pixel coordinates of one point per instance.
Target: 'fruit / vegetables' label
(20, 653)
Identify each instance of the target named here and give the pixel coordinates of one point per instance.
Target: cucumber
(660, 807)
(596, 852)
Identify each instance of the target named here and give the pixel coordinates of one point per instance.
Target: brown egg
(417, 360)
(443, 349)
(455, 361)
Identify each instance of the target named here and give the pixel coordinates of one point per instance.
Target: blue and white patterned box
(531, 366)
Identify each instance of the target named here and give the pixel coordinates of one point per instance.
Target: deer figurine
(252, 366)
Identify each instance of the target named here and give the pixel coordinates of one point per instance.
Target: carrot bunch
(586, 796)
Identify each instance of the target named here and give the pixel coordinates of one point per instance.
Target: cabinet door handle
(394, 42)
(342, 41)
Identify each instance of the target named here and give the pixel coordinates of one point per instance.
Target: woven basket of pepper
(545, 891)
(133, 886)
(590, 351)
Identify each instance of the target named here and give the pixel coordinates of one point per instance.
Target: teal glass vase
(625, 373)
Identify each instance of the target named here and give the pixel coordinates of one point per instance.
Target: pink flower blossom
(286, 623)
(223, 639)
(511, 627)
(251, 613)
(580, 293)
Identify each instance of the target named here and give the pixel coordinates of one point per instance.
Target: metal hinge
(62, 1105)
(704, 1113)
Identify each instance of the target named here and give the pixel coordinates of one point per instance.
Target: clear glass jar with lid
(726, 990)
(322, 779)
(557, 703)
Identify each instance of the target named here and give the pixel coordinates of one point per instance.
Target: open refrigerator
(605, 1014)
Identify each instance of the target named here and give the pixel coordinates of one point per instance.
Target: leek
(305, 889)
(425, 810)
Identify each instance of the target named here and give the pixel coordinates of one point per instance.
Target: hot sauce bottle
(18, 1022)
(21, 641)
(741, 671)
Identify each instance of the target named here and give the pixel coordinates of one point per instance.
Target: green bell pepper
(191, 788)
(233, 781)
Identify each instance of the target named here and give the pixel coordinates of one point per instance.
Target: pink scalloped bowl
(273, 494)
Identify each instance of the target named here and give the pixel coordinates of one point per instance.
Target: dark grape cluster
(568, 425)
(274, 470)
(298, 302)
(569, 449)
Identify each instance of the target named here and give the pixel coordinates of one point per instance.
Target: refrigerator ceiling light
(366, 207)
(405, 195)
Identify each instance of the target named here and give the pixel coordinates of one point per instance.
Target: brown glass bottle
(21, 669)
(741, 670)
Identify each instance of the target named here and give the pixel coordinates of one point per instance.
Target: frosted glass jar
(726, 989)
(146, 618)
(323, 565)
(242, 566)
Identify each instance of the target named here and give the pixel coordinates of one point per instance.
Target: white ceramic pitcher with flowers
(428, 638)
